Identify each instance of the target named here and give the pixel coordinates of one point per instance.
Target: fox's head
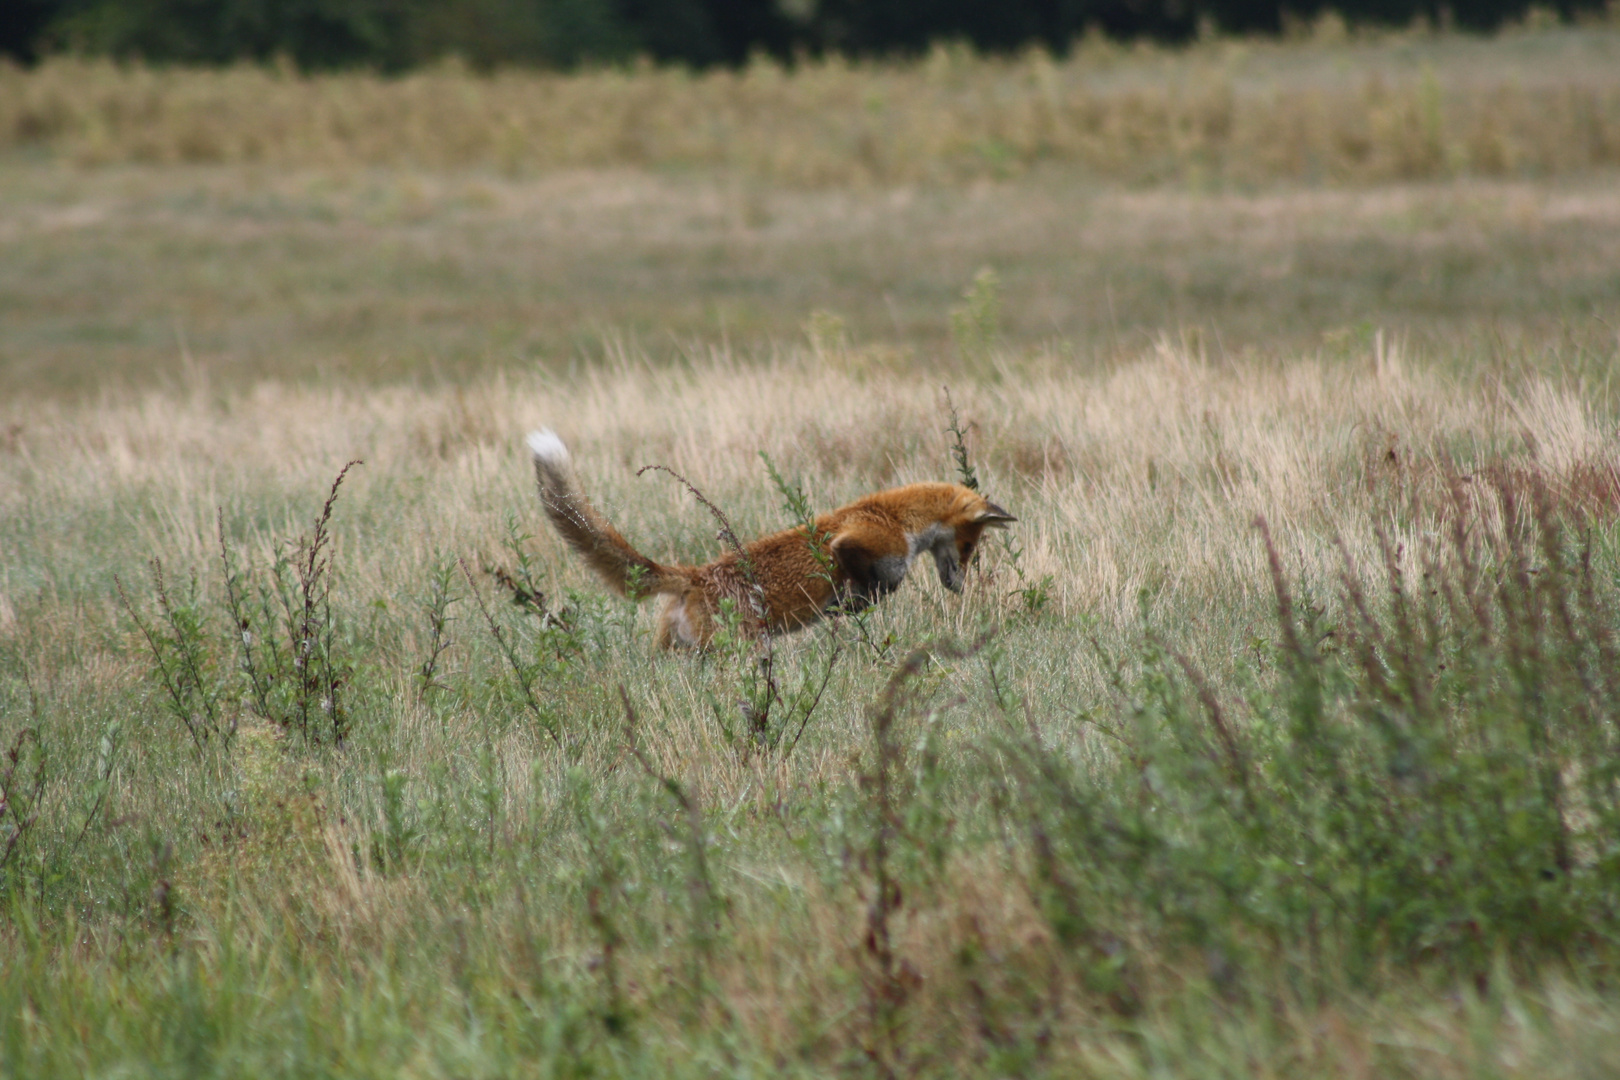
(958, 542)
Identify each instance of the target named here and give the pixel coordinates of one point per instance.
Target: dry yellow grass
(1397, 107)
(1147, 474)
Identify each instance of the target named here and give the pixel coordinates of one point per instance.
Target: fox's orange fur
(869, 546)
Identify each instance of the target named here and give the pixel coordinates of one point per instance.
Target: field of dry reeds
(1278, 737)
(1333, 108)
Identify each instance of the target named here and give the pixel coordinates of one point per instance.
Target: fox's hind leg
(684, 622)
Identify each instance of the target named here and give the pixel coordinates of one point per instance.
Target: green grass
(1083, 869)
(113, 278)
(1164, 792)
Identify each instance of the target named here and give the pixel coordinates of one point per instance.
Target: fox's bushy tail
(587, 531)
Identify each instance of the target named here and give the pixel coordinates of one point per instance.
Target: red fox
(869, 545)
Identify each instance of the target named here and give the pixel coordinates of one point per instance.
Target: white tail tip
(546, 447)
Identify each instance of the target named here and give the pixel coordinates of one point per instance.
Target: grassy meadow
(1277, 738)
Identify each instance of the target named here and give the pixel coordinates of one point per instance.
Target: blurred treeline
(394, 35)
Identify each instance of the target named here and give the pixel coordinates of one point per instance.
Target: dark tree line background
(392, 35)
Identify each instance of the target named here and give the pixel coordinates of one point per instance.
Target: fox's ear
(993, 516)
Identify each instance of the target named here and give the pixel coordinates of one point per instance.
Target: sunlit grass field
(1277, 738)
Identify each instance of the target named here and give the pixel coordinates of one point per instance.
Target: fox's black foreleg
(867, 578)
